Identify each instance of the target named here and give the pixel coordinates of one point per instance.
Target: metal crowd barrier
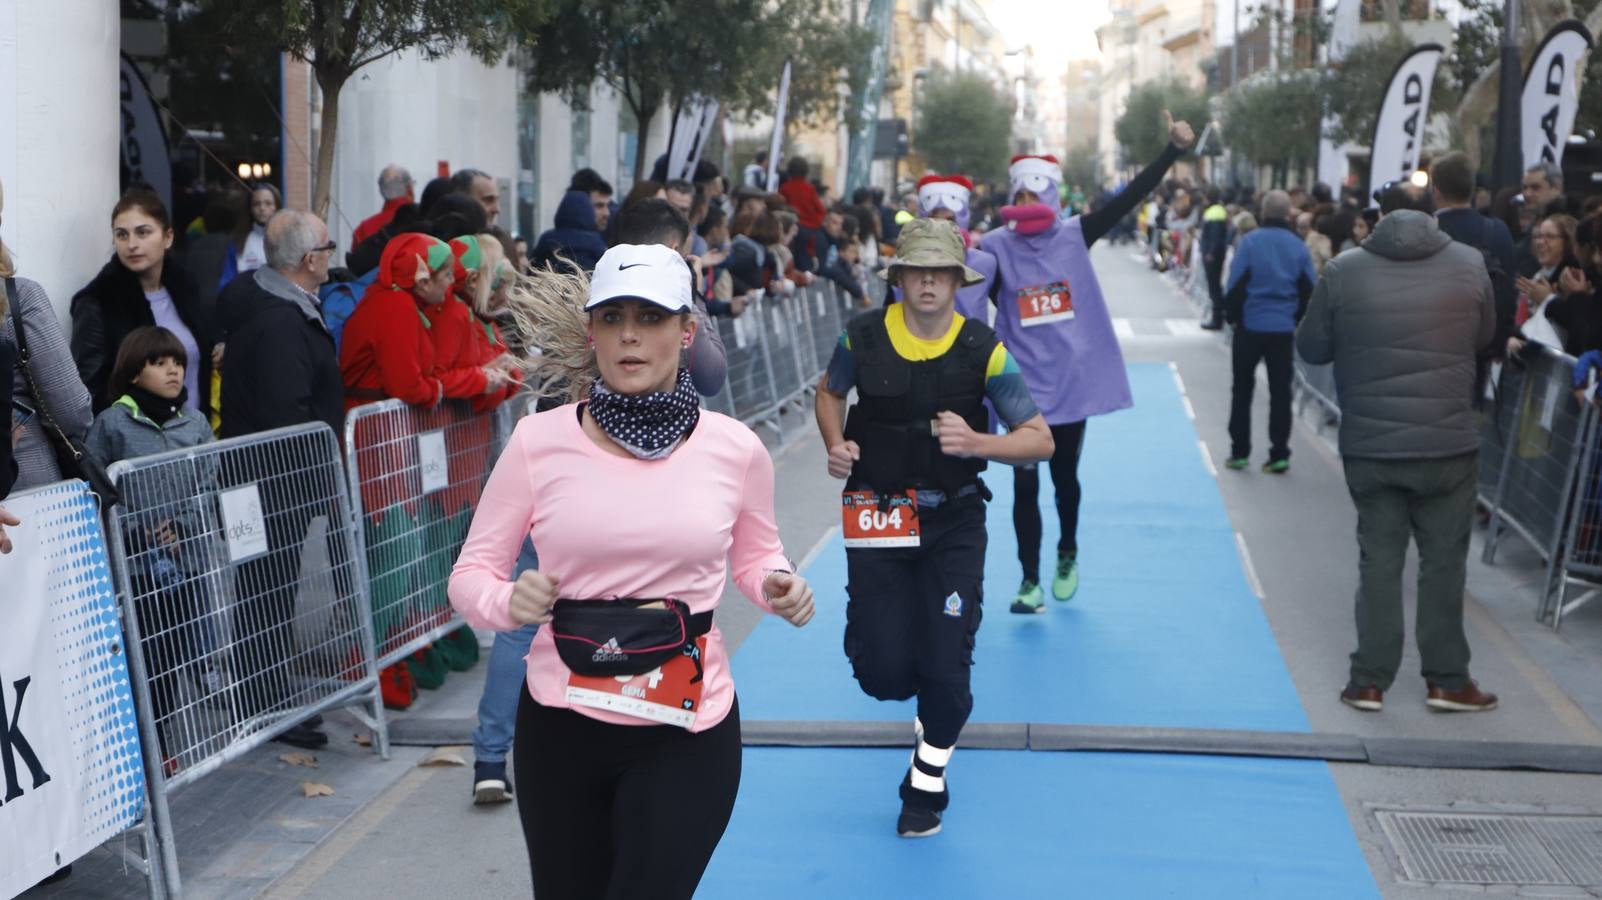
(1582, 536)
(244, 604)
(1546, 482)
(417, 475)
(1316, 384)
(776, 350)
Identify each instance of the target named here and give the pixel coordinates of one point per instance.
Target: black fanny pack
(624, 636)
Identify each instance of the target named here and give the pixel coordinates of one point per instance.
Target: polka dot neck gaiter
(647, 425)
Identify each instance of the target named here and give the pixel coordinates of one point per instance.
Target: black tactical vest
(897, 399)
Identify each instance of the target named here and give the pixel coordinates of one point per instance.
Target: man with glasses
(280, 366)
(1543, 188)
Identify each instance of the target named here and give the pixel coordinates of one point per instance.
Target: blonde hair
(491, 259)
(546, 312)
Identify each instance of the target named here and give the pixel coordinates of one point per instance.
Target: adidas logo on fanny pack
(609, 652)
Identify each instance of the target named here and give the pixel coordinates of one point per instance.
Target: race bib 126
(1045, 303)
(864, 524)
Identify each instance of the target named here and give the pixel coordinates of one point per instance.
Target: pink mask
(1030, 218)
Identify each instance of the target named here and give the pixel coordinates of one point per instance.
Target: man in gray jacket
(1402, 318)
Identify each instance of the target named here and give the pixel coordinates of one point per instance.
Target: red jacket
(803, 197)
(455, 358)
(387, 352)
(371, 225)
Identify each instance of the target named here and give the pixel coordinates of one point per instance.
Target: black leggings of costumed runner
(618, 812)
(1064, 464)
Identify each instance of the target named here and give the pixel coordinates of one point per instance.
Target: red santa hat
(950, 191)
(1043, 165)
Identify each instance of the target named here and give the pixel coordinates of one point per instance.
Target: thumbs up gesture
(1179, 133)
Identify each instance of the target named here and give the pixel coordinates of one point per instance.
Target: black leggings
(614, 812)
(1064, 464)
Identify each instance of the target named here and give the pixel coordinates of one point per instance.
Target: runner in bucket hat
(913, 508)
(931, 244)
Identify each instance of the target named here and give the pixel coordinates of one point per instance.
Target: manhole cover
(1496, 849)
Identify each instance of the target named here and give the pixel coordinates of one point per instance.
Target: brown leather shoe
(1469, 698)
(1365, 697)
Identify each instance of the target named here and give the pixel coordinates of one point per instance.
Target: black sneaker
(917, 822)
(303, 736)
(490, 784)
(920, 810)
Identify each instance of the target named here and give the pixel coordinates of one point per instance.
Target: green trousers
(1430, 501)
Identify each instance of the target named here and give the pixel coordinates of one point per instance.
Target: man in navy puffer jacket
(575, 237)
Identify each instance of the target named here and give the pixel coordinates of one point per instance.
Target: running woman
(627, 751)
(1050, 313)
(913, 507)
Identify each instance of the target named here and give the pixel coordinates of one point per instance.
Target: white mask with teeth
(1040, 175)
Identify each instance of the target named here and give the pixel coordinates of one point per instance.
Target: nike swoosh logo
(631, 266)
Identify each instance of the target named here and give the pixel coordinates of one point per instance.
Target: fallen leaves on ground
(299, 759)
(444, 756)
(314, 789)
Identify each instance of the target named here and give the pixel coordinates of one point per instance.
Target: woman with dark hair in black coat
(141, 285)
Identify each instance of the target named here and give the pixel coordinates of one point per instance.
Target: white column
(417, 112)
(59, 139)
(556, 160)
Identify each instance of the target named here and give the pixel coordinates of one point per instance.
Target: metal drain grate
(1496, 849)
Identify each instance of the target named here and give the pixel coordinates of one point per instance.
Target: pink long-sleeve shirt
(610, 526)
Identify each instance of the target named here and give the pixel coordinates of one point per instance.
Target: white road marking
(817, 548)
(1207, 459)
(1246, 561)
(1123, 329)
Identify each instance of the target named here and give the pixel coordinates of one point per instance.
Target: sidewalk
(395, 829)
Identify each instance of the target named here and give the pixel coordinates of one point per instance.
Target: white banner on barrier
(433, 461)
(71, 775)
(243, 523)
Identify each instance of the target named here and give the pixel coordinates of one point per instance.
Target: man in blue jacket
(1269, 284)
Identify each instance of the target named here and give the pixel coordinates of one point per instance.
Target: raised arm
(1096, 224)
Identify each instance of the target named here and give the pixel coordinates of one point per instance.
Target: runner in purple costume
(1051, 315)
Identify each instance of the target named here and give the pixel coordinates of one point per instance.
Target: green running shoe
(1237, 463)
(1066, 582)
(1031, 599)
(1277, 466)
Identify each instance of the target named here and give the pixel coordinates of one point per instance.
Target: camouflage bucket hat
(932, 244)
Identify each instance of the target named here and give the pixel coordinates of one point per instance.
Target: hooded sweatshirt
(575, 236)
(1402, 318)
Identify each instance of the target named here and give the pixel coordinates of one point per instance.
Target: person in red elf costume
(460, 351)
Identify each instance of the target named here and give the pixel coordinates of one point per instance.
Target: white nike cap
(654, 273)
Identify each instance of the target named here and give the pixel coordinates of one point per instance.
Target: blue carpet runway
(1165, 632)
